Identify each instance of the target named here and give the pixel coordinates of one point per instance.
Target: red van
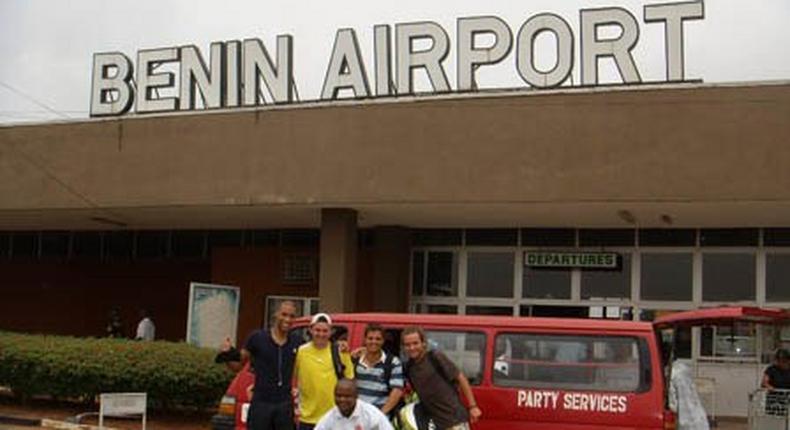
(549, 373)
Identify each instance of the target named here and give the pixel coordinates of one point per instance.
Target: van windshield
(584, 363)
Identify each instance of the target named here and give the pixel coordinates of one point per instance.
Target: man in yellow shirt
(316, 371)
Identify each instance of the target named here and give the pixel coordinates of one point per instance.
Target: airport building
(596, 201)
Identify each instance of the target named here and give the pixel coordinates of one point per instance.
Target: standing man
(146, 329)
(350, 413)
(319, 366)
(273, 353)
(434, 377)
(379, 375)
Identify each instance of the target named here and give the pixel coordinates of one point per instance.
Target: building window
(189, 244)
(607, 237)
(87, 244)
(492, 237)
(5, 245)
(298, 269)
(548, 237)
(298, 238)
(605, 284)
(118, 245)
(735, 341)
(264, 238)
(441, 309)
(729, 237)
(55, 244)
(490, 274)
(152, 244)
(489, 310)
(546, 283)
(777, 277)
(435, 273)
(24, 245)
(666, 277)
(225, 238)
(667, 237)
(776, 237)
(437, 237)
(728, 277)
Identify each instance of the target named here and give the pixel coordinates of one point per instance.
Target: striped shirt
(371, 385)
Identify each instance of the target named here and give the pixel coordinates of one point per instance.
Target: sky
(47, 46)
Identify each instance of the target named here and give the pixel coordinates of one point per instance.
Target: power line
(32, 99)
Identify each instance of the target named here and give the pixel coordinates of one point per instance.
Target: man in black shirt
(273, 353)
(777, 377)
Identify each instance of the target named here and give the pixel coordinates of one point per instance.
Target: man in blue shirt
(273, 354)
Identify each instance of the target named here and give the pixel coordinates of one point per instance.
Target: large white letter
(525, 51)
(111, 95)
(619, 48)
(673, 15)
(278, 78)
(429, 59)
(382, 42)
(149, 83)
(346, 69)
(470, 56)
(195, 76)
(232, 97)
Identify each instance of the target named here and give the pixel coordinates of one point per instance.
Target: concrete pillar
(391, 261)
(338, 277)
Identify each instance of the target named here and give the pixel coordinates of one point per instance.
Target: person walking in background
(379, 375)
(435, 379)
(351, 413)
(684, 399)
(115, 324)
(146, 330)
(319, 366)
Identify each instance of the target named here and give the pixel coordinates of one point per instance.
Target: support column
(391, 261)
(338, 277)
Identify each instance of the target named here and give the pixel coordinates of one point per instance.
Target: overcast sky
(46, 46)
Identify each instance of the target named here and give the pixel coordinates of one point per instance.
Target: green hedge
(174, 375)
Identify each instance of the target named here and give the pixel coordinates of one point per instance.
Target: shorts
(271, 416)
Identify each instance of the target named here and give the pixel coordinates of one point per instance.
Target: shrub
(173, 374)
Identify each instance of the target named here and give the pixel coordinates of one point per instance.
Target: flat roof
(420, 97)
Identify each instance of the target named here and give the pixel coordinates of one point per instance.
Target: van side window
(585, 363)
(465, 349)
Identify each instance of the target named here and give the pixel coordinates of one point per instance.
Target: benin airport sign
(246, 73)
(567, 260)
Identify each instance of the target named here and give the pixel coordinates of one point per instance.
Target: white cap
(321, 317)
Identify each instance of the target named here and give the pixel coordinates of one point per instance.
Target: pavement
(41, 415)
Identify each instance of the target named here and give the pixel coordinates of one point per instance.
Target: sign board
(213, 314)
(122, 405)
(248, 73)
(568, 260)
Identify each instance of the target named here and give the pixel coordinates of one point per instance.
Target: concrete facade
(704, 155)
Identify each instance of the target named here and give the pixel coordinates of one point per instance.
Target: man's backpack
(436, 366)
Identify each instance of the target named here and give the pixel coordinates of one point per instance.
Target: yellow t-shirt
(315, 376)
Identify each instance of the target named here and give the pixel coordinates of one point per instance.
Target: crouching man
(351, 413)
